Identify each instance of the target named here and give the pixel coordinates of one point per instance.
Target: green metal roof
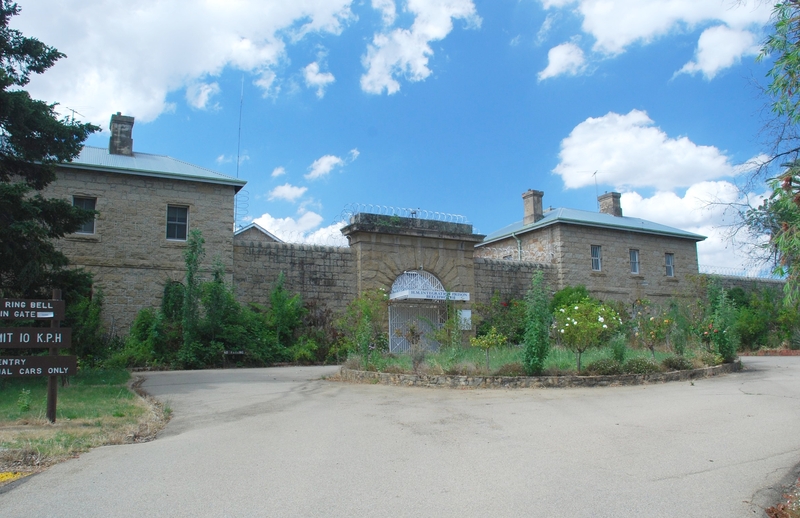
(145, 164)
(591, 219)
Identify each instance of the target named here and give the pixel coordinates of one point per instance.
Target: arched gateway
(417, 306)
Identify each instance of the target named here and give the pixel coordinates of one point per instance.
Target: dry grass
(31, 443)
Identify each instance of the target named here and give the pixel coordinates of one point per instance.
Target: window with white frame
(177, 222)
(597, 258)
(669, 262)
(634, 262)
(85, 203)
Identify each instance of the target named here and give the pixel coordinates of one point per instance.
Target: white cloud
(708, 209)
(719, 48)
(278, 171)
(199, 94)
(616, 25)
(304, 229)
(128, 56)
(566, 58)
(388, 10)
(544, 30)
(227, 159)
(405, 52)
(316, 79)
(628, 151)
(287, 192)
(323, 166)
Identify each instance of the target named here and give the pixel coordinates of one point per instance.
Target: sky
(452, 106)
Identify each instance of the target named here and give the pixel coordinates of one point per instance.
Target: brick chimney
(121, 142)
(532, 202)
(609, 204)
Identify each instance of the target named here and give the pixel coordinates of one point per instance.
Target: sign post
(53, 339)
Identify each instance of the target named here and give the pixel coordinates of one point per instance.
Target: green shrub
(619, 347)
(569, 296)
(604, 367)
(677, 363)
(505, 315)
(710, 358)
(641, 366)
(537, 326)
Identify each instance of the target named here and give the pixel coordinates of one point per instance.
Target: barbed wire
(387, 210)
(748, 273)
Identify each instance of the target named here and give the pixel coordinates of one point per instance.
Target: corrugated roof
(146, 164)
(591, 219)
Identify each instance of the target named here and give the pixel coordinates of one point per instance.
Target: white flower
(562, 330)
(561, 310)
(567, 324)
(600, 319)
(605, 326)
(576, 307)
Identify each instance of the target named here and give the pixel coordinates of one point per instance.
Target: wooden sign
(31, 309)
(23, 366)
(35, 337)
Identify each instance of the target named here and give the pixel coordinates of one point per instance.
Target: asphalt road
(280, 442)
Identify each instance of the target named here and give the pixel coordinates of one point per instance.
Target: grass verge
(96, 408)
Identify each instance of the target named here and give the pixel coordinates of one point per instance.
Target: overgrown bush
(491, 340)
(604, 367)
(677, 363)
(506, 315)
(568, 296)
(640, 366)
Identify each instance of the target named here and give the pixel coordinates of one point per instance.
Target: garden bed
(507, 382)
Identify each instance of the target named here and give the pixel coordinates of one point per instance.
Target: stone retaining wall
(508, 382)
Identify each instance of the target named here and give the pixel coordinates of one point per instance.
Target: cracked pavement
(281, 442)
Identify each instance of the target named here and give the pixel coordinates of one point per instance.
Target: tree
(32, 141)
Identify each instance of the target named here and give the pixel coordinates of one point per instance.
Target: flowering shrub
(488, 341)
(652, 325)
(589, 323)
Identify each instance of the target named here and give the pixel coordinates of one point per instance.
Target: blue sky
(455, 106)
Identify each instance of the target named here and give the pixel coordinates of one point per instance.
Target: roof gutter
(519, 246)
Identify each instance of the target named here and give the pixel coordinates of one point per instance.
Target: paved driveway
(280, 442)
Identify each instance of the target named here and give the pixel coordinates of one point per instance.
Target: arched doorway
(417, 306)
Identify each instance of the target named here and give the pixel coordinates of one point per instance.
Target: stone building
(614, 256)
(147, 205)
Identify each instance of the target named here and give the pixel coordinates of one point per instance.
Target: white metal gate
(409, 321)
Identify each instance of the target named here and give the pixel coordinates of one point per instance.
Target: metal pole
(52, 381)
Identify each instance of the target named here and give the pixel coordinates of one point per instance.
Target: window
(669, 261)
(635, 262)
(177, 222)
(597, 258)
(86, 204)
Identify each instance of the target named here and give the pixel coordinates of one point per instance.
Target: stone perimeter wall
(326, 275)
(511, 278)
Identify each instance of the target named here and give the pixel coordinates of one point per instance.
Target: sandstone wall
(615, 280)
(323, 274)
(128, 253)
(511, 278)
